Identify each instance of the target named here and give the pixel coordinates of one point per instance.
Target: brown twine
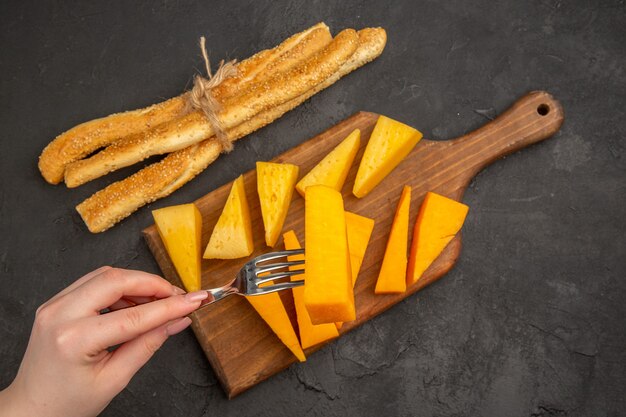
(200, 96)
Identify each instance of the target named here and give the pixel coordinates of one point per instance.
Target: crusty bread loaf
(82, 171)
(85, 138)
(193, 128)
(280, 59)
(88, 137)
(115, 202)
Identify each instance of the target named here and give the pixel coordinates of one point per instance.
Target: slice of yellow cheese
(271, 309)
(439, 220)
(275, 185)
(232, 235)
(359, 230)
(180, 228)
(310, 334)
(333, 169)
(328, 294)
(389, 144)
(392, 275)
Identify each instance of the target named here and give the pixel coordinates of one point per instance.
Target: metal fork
(248, 279)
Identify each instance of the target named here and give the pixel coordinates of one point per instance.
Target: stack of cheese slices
(267, 85)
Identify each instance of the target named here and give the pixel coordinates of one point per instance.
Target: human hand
(67, 369)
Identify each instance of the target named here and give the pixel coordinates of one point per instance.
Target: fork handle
(216, 294)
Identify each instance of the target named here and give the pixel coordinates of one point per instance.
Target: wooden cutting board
(239, 345)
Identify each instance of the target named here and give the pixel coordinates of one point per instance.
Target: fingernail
(178, 291)
(194, 297)
(178, 326)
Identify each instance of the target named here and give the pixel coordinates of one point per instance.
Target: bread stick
(117, 201)
(90, 136)
(279, 60)
(194, 128)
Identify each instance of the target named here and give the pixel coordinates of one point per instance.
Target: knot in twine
(200, 96)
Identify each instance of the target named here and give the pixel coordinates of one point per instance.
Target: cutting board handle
(531, 119)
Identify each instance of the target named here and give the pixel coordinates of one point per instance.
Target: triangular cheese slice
(359, 230)
(438, 221)
(232, 235)
(310, 334)
(275, 184)
(333, 169)
(392, 276)
(180, 228)
(389, 144)
(271, 309)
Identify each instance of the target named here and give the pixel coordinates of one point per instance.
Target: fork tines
(257, 271)
(275, 255)
(277, 266)
(278, 275)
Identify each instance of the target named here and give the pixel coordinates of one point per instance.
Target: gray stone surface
(531, 322)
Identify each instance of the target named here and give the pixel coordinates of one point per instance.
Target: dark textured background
(531, 322)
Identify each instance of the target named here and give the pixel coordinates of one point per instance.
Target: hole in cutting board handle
(543, 109)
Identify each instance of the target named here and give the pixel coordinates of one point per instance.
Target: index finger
(80, 281)
(109, 286)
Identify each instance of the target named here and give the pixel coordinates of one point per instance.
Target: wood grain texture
(239, 345)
